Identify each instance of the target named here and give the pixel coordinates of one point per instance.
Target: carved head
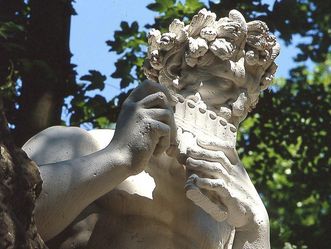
(222, 65)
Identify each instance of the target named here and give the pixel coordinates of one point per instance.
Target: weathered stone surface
(20, 185)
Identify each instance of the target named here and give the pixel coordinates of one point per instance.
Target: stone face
(238, 54)
(169, 176)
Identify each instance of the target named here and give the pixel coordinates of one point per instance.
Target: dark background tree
(20, 185)
(285, 144)
(38, 56)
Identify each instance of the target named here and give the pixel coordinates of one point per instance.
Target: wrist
(124, 159)
(118, 157)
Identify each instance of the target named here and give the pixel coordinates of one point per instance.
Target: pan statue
(168, 176)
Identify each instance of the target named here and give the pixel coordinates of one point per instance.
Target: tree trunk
(20, 185)
(48, 76)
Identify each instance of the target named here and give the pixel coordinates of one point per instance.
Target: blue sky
(98, 19)
(95, 23)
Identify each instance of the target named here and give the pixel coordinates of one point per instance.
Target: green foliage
(171, 7)
(12, 50)
(285, 146)
(17, 64)
(96, 79)
(309, 19)
(130, 44)
(88, 108)
(8, 29)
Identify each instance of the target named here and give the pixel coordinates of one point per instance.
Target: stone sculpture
(169, 176)
(227, 63)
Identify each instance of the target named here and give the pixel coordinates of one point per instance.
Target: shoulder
(59, 143)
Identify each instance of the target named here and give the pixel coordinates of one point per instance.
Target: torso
(167, 220)
(147, 211)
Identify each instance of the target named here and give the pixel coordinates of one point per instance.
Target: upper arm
(59, 143)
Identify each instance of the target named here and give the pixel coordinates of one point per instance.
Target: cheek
(213, 98)
(219, 96)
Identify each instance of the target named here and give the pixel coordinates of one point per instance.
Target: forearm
(72, 185)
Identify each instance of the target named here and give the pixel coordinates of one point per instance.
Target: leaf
(123, 71)
(157, 7)
(125, 27)
(194, 5)
(161, 6)
(134, 27)
(8, 29)
(96, 79)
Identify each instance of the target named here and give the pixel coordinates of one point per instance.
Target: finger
(214, 169)
(197, 152)
(217, 211)
(155, 100)
(159, 129)
(168, 140)
(167, 143)
(166, 116)
(162, 115)
(161, 134)
(149, 87)
(152, 86)
(175, 137)
(172, 151)
(162, 146)
(217, 185)
(173, 131)
(144, 89)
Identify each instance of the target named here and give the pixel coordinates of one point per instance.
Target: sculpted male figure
(169, 176)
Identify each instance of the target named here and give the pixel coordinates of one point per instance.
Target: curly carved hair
(206, 40)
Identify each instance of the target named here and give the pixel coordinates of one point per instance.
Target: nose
(240, 105)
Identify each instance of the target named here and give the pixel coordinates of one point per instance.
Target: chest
(152, 208)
